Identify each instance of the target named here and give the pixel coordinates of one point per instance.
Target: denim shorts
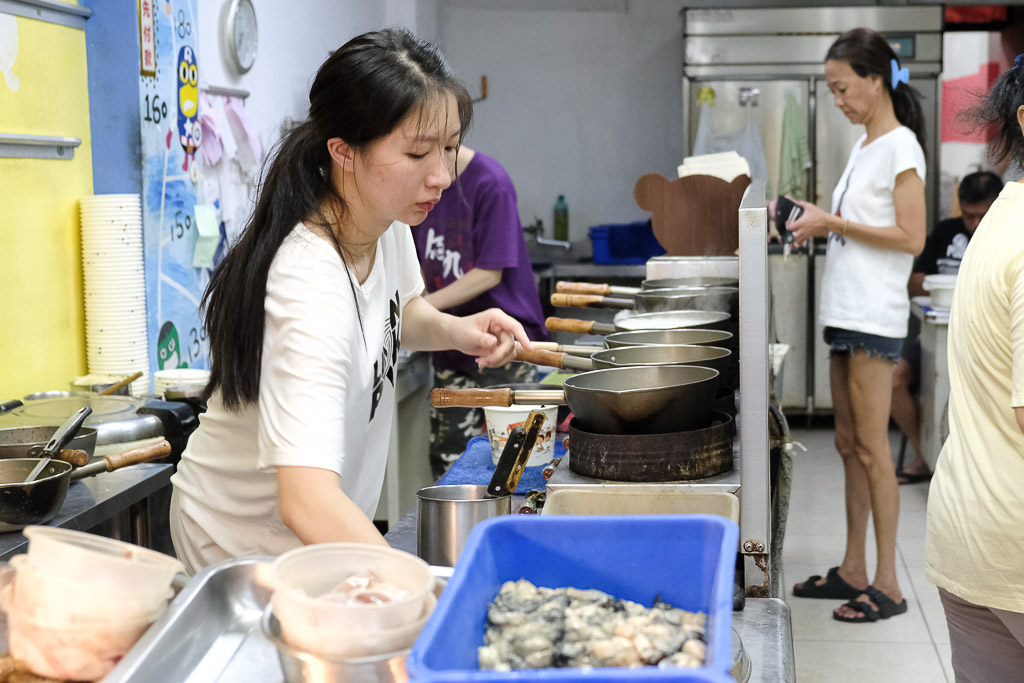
(844, 342)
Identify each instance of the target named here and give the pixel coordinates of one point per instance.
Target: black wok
(633, 400)
(38, 502)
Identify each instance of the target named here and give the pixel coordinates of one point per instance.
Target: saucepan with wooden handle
(39, 501)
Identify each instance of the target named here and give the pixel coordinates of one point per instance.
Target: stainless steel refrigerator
(753, 58)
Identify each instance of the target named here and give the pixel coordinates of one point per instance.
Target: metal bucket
(446, 516)
(300, 667)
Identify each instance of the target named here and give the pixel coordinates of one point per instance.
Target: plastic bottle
(561, 219)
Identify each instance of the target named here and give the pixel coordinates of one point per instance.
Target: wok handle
(569, 325)
(590, 300)
(554, 359)
(132, 456)
(540, 357)
(564, 287)
(571, 349)
(472, 398)
(75, 456)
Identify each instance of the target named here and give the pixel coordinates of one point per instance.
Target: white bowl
(68, 651)
(940, 289)
(68, 598)
(301, 576)
(362, 642)
(112, 563)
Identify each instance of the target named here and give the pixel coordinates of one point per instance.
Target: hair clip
(1017, 62)
(899, 75)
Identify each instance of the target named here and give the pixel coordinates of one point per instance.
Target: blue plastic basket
(578, 675)
(624, 243)
(687, 560)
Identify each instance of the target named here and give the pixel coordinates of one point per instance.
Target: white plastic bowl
(353, 644)
(301, 576)
(940, 289)
(69, 598)
(111, 563)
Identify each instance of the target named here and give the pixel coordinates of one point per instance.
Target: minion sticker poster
(172, 167)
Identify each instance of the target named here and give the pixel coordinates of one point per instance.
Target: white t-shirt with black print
(326, 395)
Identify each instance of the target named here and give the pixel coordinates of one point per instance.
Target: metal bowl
(299, 666)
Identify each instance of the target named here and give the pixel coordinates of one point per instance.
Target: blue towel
(475, 466)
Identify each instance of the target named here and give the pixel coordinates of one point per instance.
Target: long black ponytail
(867, 52)
(361, 93)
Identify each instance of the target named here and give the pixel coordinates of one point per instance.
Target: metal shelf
(15, 145)
(62, 13)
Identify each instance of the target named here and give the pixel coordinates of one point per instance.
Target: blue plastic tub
(688, 560)
(624, 243)
(579, 676)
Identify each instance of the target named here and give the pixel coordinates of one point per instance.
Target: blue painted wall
(112, 52)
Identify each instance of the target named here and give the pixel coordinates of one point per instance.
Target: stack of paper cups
(115, 287)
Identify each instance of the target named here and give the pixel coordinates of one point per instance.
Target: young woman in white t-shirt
(876, 227)
(307, 312)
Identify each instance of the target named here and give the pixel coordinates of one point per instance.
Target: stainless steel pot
(302, 667)
(696, 281)
(447, 514)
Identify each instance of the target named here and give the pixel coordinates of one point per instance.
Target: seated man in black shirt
(942, 253)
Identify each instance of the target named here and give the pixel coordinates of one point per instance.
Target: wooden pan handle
(582, 288)
(76, 456)
(576, 300)
(569, 325)
(471, 398)
(134, 456)
(541, 357)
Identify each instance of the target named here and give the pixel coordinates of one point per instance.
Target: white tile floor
(910, 648)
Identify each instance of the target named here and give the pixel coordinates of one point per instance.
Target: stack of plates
(115, 286)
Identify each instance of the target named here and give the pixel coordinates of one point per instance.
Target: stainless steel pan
(694, 281)
(38, 502)
(714, 357)
(633, 400)
(15, 442)
(715, 320)
(689, 336)
(658, 300)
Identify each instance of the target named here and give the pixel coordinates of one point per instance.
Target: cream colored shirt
(975, 537)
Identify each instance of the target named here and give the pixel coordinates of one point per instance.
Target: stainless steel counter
(96, 500)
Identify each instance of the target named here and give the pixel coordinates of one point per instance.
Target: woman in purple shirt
(474, 257)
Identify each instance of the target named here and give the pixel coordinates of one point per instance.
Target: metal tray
(211, 631)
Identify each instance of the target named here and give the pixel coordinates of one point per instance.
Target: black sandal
(887, 607)
(834, 588)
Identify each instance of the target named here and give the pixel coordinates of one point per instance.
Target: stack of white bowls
(190, 380)
(80, 602)
(115, 287)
